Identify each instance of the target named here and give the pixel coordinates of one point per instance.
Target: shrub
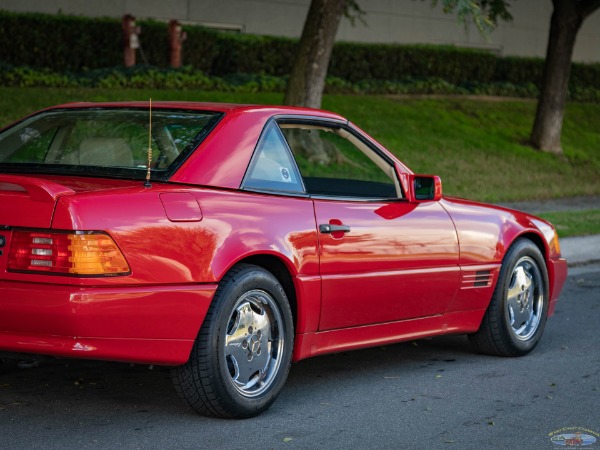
(59, 42)
(150, 77)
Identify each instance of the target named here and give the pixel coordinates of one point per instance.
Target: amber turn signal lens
(95, 254)
(80, 253)
(555, 244)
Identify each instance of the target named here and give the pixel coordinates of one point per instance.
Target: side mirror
(425, 187)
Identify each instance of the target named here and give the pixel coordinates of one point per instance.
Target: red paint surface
(398, 265)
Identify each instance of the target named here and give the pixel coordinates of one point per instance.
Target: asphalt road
(423, 395)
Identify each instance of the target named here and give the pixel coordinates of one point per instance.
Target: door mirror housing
(425, 188)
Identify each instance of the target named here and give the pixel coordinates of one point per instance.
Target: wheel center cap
(254, 343)
(523, 298)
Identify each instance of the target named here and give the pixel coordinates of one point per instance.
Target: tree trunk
(307, 80)
(567, 18)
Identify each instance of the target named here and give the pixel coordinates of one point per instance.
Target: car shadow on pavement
(124, 387)
(398, 359)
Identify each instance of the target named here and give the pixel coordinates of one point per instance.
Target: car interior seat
(100, 151)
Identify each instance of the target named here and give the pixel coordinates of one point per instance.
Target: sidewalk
(578, 250)
(581, 249)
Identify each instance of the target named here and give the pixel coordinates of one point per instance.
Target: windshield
(100, 141)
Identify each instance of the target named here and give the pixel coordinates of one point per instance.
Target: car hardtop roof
(207, 106)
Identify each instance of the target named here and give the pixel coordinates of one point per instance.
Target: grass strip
(575, 223)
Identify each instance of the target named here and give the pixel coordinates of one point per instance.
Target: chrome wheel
(514, 321)
(525, 299)
(254, 343)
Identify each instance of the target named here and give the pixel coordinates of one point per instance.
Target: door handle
(327, 228)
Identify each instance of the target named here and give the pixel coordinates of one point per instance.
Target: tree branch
(587, 7)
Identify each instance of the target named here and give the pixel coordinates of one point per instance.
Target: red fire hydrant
(176, 38)
(131, 41)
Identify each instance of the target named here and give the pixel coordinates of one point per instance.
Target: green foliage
(519, 70)
(140, 77)
(188, 78)
(483, 13)
(253, 54)
(585, 76)
(201, 48)
(574, 223)
(356, 62)
(27, 77)
(153, 41)
(59, 42)
(61, 51)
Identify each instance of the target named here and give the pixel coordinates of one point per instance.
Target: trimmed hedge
(147, 77)
(63, 43)
(59, 42)
(519, 70)
(356, 62)
(244, 53)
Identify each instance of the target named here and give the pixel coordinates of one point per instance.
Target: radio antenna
(147, 182)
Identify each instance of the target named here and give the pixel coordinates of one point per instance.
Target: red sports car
(228, 241)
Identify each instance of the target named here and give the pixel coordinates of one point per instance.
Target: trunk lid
(29, 201)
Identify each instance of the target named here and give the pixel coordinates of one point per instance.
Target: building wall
(390, 21)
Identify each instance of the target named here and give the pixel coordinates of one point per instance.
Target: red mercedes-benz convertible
(229, 240)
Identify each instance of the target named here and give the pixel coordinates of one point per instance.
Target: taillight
(76, 253)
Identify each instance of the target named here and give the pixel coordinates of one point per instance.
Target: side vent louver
(480, 278)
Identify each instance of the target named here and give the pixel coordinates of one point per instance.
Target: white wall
(398, 21)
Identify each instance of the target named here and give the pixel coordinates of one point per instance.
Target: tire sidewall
(250, 278)
(521, 249)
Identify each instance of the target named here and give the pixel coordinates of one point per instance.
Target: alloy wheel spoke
(247, 343)
(524, 299)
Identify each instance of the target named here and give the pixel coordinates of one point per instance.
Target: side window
(272, 167)
(334, 162)
(33, 146)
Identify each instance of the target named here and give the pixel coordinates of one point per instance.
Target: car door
(382, 258)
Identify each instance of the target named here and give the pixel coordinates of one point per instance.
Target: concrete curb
(581, 249)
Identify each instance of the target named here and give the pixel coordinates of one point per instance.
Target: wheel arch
(541, 245)
(536, 239)
(280, 270)
(544, 248)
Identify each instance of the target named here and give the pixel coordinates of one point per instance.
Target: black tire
(516, 316)
(242, 355)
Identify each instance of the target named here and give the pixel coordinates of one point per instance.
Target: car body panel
(557, 272)
(374, 273)
(354, 338)
(485, 233)
(156, 324)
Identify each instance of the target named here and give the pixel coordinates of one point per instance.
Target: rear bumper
(150, 324)
(557, 272)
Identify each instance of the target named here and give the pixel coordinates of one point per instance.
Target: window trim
(324, 123)
(254, 160)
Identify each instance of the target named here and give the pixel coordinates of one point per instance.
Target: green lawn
(478, 147)
(575, 223)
